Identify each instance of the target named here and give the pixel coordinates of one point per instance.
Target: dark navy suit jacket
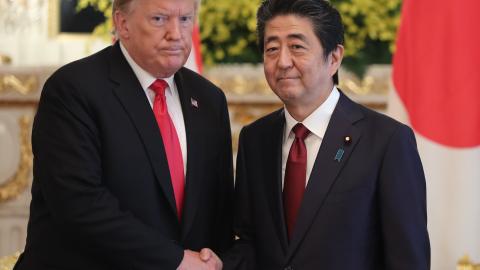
(363, 211)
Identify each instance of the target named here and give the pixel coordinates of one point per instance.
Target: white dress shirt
(317, 123)
(172, 97)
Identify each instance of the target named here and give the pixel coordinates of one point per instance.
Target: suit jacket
(102, 196)
(363, 210)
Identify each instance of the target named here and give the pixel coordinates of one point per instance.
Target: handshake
(205, 259)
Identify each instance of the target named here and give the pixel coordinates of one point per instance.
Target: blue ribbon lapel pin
(339, 155)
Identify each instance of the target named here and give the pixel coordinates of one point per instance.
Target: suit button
(288, 268)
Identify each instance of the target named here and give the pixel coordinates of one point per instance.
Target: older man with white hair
(133, 162)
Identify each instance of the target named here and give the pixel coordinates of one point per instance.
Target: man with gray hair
(133, 161)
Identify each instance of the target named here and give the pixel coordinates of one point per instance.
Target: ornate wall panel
(19, 94)
(250, 97)
(247, 92)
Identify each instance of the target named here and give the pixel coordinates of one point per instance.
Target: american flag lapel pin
(194, 102)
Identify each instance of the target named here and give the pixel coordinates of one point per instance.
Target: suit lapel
(326, 167)
(193, 187)
(129, 91)
(273, 175)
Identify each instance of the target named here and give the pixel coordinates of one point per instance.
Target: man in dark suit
(323, 183)
(132, 164)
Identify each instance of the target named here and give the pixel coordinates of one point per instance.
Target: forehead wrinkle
(174, 12)
(292, 36)
(169, 9)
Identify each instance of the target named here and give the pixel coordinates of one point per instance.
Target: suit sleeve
(403, 205)
(242, 255)
(68, 169)
(224, 218)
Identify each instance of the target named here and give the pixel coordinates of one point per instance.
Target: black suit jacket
(102, 196)
(363, 211)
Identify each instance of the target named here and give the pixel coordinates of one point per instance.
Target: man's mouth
(173, 50)
(286, 78)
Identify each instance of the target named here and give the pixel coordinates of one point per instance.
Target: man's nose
(285, 59)
(173, 29)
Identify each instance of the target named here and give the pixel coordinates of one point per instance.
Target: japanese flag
(437, 81)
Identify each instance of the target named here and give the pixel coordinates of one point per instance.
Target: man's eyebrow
(166, 12)
(271, 39)
(188, 13)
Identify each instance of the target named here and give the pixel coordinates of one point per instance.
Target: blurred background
(415, 60)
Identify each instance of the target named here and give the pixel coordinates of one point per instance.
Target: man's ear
(120, 23)
(335, 59)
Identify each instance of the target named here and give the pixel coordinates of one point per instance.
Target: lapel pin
(347, 140)
(194, 102)
(339, 155)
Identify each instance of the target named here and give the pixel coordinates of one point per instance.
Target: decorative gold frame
(22, 84)
(5, 59)
(466, 264)
(54, 24)
(19, 181)
(8, 262)
(245, 87)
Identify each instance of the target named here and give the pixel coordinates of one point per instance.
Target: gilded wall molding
(22, 84)
(466, 264)
(8, 262)
(15, 185)
(5, 59)
(247, 79)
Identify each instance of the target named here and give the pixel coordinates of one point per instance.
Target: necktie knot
(159, 86)
(300, 131)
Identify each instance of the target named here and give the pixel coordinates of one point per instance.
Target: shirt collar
(145, 78)
(317, 121)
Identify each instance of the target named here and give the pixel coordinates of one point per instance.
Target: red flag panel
(435, 69)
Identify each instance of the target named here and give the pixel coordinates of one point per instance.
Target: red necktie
(170, 142)
(295, 177)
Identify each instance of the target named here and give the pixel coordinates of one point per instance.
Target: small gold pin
(347, 140)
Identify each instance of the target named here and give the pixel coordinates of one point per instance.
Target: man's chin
(170, 67)
(287, 94)
(175, 62)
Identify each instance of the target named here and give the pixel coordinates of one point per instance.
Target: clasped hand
(205, 259)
